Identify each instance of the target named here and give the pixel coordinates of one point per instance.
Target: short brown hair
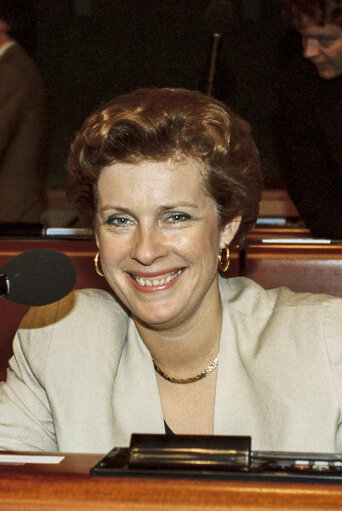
(162, 124)
(320, 11)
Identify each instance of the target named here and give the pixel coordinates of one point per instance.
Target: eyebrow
(318, 35)
(179, 205)
(323, 36)
(166, 207)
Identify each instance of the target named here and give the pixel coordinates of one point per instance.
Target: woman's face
(159, 239)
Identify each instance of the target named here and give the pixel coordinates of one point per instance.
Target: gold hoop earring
(97, 265)
(224, 259)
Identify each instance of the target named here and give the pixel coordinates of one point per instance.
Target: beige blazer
(81, 380)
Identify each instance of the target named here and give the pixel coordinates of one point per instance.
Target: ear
(4, 26)
(228, 231)
(97, 238)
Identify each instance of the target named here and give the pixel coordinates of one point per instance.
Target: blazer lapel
(136, 398)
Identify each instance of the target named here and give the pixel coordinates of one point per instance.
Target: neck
(188, 348)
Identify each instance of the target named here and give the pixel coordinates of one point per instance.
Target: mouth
(155, 281)
(319, 64)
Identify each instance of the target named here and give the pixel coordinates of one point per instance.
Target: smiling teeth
(158, 282)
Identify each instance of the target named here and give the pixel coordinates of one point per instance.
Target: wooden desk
(68, 486)
(277, 202)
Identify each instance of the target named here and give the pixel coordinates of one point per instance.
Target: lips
(320, 65)
(155, 281)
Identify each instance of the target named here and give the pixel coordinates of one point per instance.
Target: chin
(327, 74)
(158, 321)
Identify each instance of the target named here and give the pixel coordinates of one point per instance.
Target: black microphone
(37, 277)
(219, 17)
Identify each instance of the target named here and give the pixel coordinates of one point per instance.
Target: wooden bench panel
(307, 267)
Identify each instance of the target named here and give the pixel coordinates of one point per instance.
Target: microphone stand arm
(216, 39)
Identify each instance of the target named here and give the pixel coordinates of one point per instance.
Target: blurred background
(91, 50)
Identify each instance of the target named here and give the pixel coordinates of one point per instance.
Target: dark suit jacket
(23, 138)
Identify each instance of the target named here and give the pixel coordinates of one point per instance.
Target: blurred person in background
(23, 118)
(309, 115)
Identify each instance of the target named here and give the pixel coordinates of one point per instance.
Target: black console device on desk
(215, 457)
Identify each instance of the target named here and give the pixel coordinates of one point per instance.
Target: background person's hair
(158, 124)
(320, 11)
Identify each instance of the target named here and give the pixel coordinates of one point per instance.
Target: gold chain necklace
(192, 379)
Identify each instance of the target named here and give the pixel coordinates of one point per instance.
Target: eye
(119, 220)
(326, 42)
(174, 218)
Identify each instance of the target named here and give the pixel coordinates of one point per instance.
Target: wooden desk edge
(69, 486)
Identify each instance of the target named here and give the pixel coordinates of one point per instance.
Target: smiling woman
(159, 238)
(170, 179)
(165, 207)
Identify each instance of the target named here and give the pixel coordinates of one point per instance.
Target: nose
(310, 47)
(149, 244)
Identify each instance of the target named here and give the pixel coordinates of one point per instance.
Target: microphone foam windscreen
(39, 276)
